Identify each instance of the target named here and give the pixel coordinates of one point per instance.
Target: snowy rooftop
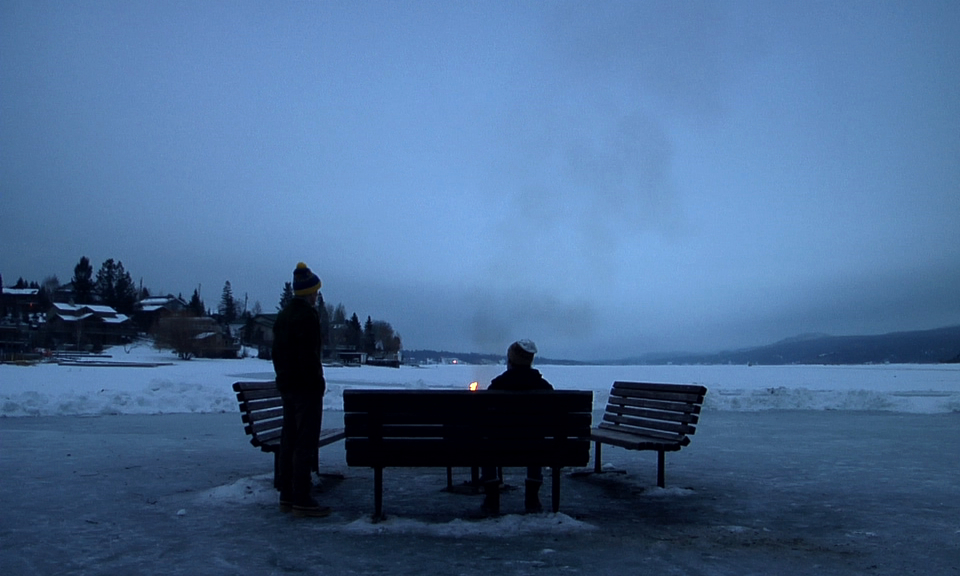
(74, 317)
(156, 300)
(160, 302)
(97, 308)
(21, 291)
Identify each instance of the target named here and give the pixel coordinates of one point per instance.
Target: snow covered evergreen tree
(106, 281)
(355, 333)
(323, 312)
(369, 337)
(115, 288)
(286, 296)
(196, 306)
(124, 291)
(83, 282)
(228, 306)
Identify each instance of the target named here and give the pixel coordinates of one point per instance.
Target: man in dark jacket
(297, 351)
(520, 376)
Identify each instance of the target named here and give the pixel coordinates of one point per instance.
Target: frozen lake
(844, 481)
(203, 385)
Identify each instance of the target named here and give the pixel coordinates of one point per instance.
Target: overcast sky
(605, 178)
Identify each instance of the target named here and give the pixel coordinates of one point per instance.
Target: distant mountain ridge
(940, 345)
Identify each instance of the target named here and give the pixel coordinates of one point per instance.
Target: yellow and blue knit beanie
(305, 282)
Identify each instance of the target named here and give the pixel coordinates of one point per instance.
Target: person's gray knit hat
(521, 353)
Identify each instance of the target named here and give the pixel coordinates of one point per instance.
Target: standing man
(297, 352)
(520, 376)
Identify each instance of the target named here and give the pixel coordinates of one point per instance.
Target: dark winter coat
(519, 380)
(298, 348)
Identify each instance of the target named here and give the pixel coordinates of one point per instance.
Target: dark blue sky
(606, 178)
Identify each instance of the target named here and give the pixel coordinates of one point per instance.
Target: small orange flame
(473, 386)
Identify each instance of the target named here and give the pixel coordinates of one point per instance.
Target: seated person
(520, 376)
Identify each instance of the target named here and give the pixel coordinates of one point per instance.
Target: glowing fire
(473, 386)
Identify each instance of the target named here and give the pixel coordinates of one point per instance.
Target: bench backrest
(464, 428)
(667, 412)
(261, 409)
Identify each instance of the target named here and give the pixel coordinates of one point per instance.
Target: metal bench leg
(661, 462)
(276, 470)
(449, 478)
(555, 500)
(378, 494)
(597, 464)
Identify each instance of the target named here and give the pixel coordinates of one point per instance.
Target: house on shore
(87, 325)
(19, 304)
(259, 332)
(148, 311)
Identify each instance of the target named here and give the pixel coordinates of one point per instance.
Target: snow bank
(258, 490)
(506, 526)
(204, 385)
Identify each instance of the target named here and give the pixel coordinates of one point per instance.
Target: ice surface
(203, 385)
(845, 481)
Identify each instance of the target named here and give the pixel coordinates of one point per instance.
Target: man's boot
(531, 497)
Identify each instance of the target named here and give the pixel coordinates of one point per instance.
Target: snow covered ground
(794, 470)
(203, 385)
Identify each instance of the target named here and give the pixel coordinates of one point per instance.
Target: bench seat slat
(681, 398)
(270, 442)
(467, 418)
(636, 441)
(681, 417)
(260, 415)
(265, 437)
(467, 425)
(259, 385)
(454, 401)
(262, 403)
(258, 394)
(260, 427)
(533, 446)
(440, 453)
(656, 387)
(679, 407)
(452, 432)
(331, 435)
(644, 432)
(628, 424)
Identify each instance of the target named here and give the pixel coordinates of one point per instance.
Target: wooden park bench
(261, 409)
(643, 416)
(460, 428)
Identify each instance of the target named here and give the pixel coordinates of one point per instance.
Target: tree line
(338, 331)
(112, 285)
